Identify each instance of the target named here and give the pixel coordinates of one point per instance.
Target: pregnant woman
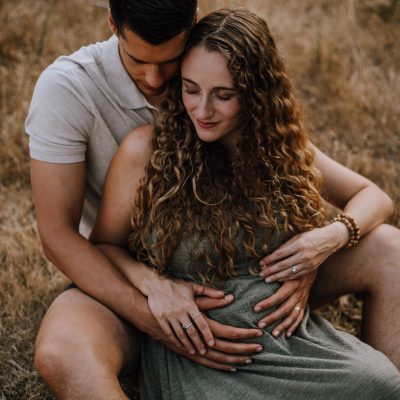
(225, 177)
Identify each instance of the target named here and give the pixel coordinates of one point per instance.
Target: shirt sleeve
(59, 122)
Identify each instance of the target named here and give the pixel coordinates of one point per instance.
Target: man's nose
(154, 76)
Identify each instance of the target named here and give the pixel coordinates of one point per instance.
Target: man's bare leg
(82, 347)
(373, 269)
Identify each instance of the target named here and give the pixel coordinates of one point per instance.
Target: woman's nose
(204, 109)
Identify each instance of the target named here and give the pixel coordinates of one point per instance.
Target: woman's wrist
(340, 233)
(352, 228)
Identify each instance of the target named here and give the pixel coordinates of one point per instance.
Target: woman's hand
(173, 305)
(303, 253)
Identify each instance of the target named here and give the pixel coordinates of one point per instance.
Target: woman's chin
(208, 137)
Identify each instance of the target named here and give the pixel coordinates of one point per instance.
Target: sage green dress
(317, 362)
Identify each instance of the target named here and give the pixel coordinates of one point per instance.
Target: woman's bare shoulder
(137, 146)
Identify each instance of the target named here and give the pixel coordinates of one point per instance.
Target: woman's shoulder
(136, 148)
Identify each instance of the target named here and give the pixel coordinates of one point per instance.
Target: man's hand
(225, 351)
(291, 299)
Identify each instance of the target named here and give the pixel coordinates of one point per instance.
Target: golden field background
(343, 56)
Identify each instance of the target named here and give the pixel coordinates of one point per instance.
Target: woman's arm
(355, 195)
(172, 303)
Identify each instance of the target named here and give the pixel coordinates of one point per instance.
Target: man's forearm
(94, 274)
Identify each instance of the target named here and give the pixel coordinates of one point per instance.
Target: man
(82, 108)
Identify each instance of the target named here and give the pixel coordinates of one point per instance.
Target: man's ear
(112, 24)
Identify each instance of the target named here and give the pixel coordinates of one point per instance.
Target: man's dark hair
(155, 21)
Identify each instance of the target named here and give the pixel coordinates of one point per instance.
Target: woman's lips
(206, 125)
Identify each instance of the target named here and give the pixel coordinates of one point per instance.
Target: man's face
(150, 66)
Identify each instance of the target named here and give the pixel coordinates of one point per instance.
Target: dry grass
(342, 56)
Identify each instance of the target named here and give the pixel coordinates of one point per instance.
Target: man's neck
(156, 101)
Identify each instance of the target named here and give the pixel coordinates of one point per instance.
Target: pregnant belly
(248, 291)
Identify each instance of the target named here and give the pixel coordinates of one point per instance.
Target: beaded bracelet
(352, 227)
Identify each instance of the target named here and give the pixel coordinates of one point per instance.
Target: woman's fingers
(183, 337)
(197, 330)
(282, 265)
(169, 333)
(292, 272)
(284, 251)
(202, 326)
(195, 338)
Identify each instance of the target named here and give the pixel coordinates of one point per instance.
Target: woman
(225, 177)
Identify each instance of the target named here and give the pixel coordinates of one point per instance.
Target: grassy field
(342, 56)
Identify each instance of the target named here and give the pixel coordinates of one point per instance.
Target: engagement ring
(187, 326)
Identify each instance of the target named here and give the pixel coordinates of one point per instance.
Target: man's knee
(50, 361)
(78, 334)
(59, 355)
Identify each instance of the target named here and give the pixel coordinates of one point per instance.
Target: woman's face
(210, 97)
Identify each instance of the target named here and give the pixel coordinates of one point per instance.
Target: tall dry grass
(341, 54)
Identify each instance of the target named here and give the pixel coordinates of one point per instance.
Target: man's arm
(58, 191)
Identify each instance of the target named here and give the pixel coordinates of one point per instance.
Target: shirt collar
(128, 94)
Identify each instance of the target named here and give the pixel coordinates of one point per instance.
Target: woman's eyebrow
(215, 88)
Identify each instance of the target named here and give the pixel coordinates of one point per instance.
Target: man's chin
(153, 91)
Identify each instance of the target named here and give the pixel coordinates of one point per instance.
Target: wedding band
(195, 316)
(294, 269)
(187, 326)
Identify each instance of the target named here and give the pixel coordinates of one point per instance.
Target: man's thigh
(79, 329)
(358, 269)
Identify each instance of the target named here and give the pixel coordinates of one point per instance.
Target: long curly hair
(194, 190)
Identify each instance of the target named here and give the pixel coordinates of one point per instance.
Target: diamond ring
(187, 326)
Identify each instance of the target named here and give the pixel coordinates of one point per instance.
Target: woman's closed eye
(219, 96)
(191, 91)
(223, 97)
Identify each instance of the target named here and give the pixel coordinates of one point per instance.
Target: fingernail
(229, 297)
(211, 343)
(192, 352)
(268, 280)
(202, 351)
(259, 349)
(289, 334)
(233, 369)
(276, 333)
(257, 309)
(262, 325)
(249, 361)
(259, 333)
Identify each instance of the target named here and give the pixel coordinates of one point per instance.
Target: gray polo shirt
(82, 107)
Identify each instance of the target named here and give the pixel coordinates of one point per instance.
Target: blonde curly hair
(193, 189)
